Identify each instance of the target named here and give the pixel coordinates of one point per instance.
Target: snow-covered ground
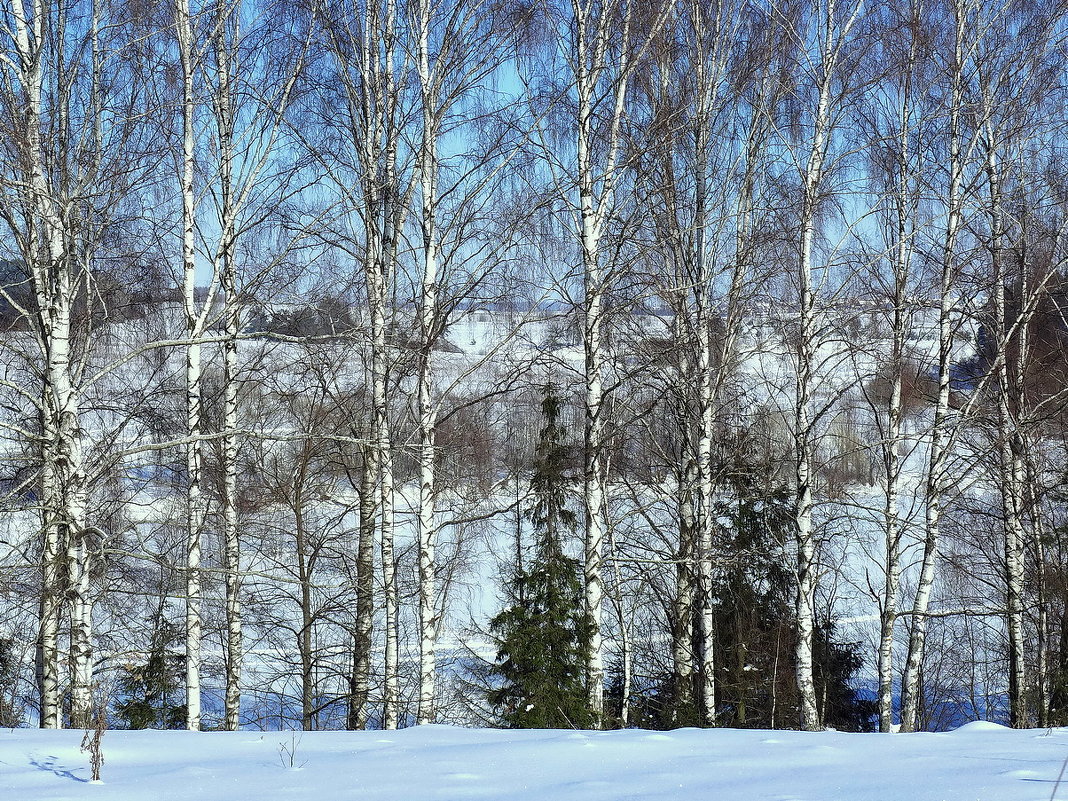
(978, 762)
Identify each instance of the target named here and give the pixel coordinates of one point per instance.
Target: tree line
(284, 283)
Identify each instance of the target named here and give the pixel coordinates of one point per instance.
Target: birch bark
(832, 29)
(427, 407)
(195, 511)
(1010, 444)
(224, 109)
(604, 52)
(593, 348)
(364, 48)
(53, 269)
(901, 247)
(911, 690)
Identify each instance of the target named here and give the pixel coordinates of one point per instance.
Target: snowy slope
(979, 762)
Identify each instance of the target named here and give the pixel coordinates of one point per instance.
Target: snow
(978, 762)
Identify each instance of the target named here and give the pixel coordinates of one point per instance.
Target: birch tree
(734, 96)
(453, 258)
(69, 144)
(369, 65)
(601, 46)
(190, 56)
(1012, 84)
(707, 141)
(897, 160)
(249, 99)
(826, 29)
(910, 687)
(959, 153)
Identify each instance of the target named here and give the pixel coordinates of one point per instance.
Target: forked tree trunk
(225, 121)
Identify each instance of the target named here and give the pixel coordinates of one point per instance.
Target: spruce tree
(10, 716)
(542, 635)
(150, 692)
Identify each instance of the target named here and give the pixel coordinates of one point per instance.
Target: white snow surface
(978, 762)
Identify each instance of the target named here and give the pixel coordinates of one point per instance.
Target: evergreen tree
(10, 716)
(755, 626)
(836, 665)
(150, 691)
(542, 636)
(755, 629)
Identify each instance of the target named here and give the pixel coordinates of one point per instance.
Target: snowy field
(979, 762)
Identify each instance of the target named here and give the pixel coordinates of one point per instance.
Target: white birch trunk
(832, 34)
(231, 539)
(683, 608)
(1012, 502)
(1009, 441)
(194, 498)
(391, 684)
(29, 34)
(72, 486)
(805, 537)
(1016, 536)
(65, 553)
(904, 207)
(384, 444)
(891, 521)
(706, 403)
(55, 567)
(383, 153)
(305, 572)
(911, 690)
(51, 598)
(382, 462)
(602, 52)
(1042, 658)
(626, 668)
(712, 373)
(706, 385)
(803, 433)
(226, 268)
(590, 40)
(427, 408)
(593, 470)
(367, 73)
(194, 527)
